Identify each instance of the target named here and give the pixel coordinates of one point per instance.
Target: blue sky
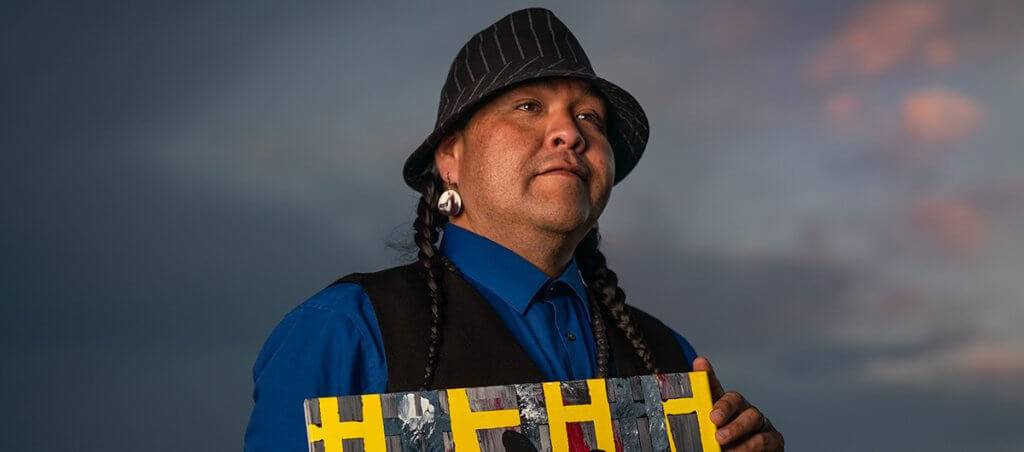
(829, 206)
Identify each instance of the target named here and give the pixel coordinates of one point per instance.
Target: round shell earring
(450, 203)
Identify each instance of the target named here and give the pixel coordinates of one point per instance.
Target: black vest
(477, 349)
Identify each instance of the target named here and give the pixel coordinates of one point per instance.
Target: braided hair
(606, 293)
(427, 225)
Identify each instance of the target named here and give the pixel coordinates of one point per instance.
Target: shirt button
(572, 337)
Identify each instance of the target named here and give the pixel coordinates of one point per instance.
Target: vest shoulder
(394, 292)
(672, 354)
(386, 275)
(340, 297)
(644, 318)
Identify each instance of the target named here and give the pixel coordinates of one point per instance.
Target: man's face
(536, 155)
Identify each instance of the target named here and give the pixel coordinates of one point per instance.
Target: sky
(829, 208)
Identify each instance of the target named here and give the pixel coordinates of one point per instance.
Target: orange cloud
(937, 115)
(732, 26)
(997, 366)
(991, 360)
(952, 224)
(841, 108)
(939, 52)
(878, 37)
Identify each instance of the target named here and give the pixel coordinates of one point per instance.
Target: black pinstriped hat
(524, 45)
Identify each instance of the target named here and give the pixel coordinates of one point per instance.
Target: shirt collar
(501, 270)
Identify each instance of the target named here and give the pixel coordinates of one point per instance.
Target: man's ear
(447, 156)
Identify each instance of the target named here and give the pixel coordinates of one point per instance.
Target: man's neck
(549, 251)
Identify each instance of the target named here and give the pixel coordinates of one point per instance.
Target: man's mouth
(567, 170)
(563, 173)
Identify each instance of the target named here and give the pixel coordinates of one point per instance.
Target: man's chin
(562, 220)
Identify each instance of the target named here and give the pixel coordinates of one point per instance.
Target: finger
(761, 442)
(703, 364)
(748, 422)
(727, 407)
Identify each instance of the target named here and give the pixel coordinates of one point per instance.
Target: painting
(649, 413)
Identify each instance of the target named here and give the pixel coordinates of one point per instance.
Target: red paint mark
(576, 441)
(662, 383)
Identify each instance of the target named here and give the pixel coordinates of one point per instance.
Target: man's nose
(563, 132)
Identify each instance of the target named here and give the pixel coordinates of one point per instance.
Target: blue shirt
(331, 344)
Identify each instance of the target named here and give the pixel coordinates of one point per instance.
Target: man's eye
(529, 106)
(593, 117)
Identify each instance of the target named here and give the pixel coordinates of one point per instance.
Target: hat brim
(627, 124)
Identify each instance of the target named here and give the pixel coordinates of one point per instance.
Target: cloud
(939, 115)
(940, 52)
(731, 26)
(842, 108)
(997, 197)
(894, 318)
(952, 224)
(877, 38)
(997, 366)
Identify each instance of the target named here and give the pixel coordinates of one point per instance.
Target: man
(527, 146)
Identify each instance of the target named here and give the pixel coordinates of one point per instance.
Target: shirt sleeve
(330, 345)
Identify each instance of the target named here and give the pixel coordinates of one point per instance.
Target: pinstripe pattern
(486, 70)
(569, 44)
(553, 42)
(540, 49)
(507, 80)
(489, 85)
(556, 63)
(497, 43)
(444, 103)
(471, 94)
(471, 78)
(456, 103)
(512, 20)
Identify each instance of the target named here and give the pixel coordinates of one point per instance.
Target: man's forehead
(559, 83)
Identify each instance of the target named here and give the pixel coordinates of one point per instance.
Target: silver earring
(450, 203)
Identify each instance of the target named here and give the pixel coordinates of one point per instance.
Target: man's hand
(741, 426)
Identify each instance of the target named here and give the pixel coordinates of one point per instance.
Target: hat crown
(521, 38)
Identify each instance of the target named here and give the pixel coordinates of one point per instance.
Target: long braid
(427, 224)
(605, 285)
(600, 336)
